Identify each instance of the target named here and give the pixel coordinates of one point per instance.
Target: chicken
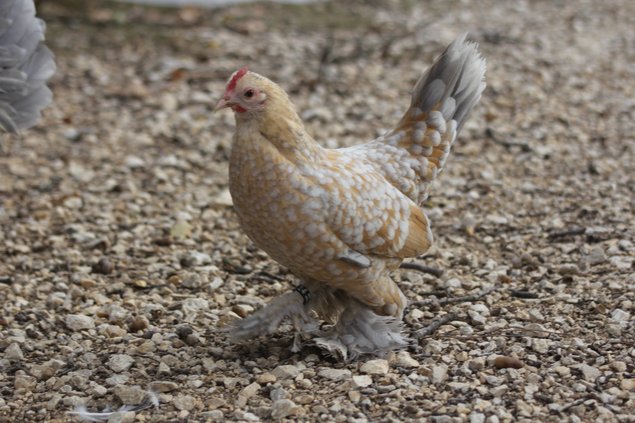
(343, 219)
(25, 66)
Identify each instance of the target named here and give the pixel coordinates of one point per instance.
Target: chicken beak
(222, 103)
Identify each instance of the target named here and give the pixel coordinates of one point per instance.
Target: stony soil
(122, 257)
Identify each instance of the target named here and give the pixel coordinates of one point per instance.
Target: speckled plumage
(342, 219)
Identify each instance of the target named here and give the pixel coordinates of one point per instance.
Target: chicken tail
(25, 66)
(441, 102)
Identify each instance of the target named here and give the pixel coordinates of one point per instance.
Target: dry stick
(566, 232)
(436, 324)
(421, 268)
(453, 300)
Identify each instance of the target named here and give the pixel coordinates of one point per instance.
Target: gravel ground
(122, 257)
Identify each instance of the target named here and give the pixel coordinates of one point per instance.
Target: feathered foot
(266, 320)
(360, 331)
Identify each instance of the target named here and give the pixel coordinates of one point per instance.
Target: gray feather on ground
(25, 66)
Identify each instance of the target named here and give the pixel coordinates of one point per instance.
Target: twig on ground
(421, 268)
(454, 300)
(567, 232)
(521, 293)
(436, 324)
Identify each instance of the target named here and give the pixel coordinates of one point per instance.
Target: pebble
(184, 402)
(265, 378)
(590, 373)
(286, 371)
(120, 362)
(13, 352)
(163, 386)
(439, 373)
(334, 374)
(129, 395)
(362, 381)
(122, 417)
(596, 256)
(249, 390)
(375, 367)
(79, 322)
(282, 408)
(405, 360)
(24, 382)
(621, 316)
(540, 345)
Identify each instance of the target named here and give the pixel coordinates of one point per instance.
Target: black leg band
(306, 295)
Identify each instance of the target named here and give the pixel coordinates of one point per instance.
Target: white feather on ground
(151, 400)
(25, 66)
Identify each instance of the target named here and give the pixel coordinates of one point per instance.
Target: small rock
(195, 258)
(477, 418)
(304, 399)
(589, 373)
(504, 362)
(134, 162)
(104, 266)
(375, 367)
(540, 345)
(181, 230)
(265, 378)
(282, 408)
(13, 352)
(620, 315)
(120, 362)
(163, 369)
(405, 360)
(184, 402)
(122, 417)
(596, 256)
(362, 381)
(163, 386)
(79, 322)
(286, 371)
(224, 199)
(214, 415)
(439, 373)
(129, 395)
(24, 382)
(334, 374)
(627, 384)
(278, 394)
(249, 390)
(354, 396)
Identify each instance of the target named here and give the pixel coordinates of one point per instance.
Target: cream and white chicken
(25, 66)
(343, 219)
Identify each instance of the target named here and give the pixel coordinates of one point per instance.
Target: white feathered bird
(25, 66)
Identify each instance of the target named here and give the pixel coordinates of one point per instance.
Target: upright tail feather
(25, 66)
(415, 151)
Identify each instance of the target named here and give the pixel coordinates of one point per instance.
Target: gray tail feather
(456, 77)
(25, 66)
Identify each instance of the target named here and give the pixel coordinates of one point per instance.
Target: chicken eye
(249, 93)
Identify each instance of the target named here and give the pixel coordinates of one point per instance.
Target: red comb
(237, 75)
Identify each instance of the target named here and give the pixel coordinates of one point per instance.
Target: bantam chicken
(343, 219)
(25, 66)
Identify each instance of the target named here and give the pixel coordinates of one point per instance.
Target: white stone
(286, 371)
(375, 367)
(334, 374)
(79, 322)
(362, 381)
(120, 362)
